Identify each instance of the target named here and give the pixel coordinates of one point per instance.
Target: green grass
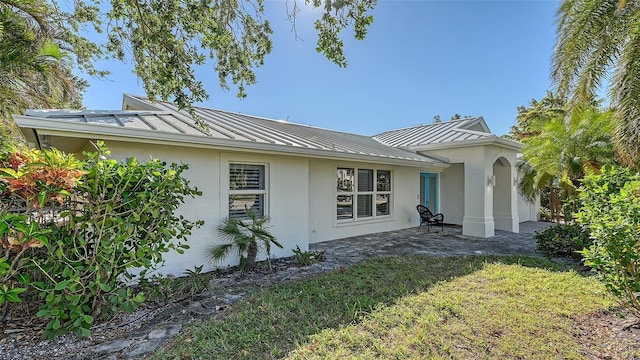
(406, 308)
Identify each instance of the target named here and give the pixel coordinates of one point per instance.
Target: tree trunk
(252, 254)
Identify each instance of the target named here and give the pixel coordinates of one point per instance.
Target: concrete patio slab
(419, 241)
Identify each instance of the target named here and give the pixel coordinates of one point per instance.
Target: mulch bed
(609, 334)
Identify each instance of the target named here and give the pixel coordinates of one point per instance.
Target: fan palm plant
(246, 237)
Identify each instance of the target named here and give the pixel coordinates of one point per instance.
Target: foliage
(405, 308)
(560, 151)
(598, 42)
(545, 214)
(246, 237)
(539, 112)
(563, 240)
(162, 289)
(193, 281)
(306, 258)
(102, 219)
(31, 182)
(611, 211)
(157, 288)
(35, 71)
(168, 40)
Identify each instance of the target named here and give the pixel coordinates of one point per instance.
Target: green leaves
(247, 237)
(10, 295)
(598, 42)
(337, 16)
(560, 151)
(166, 40)
(124, 221)
(34, 71)
(611, 211)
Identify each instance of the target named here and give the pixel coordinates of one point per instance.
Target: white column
(478, 199)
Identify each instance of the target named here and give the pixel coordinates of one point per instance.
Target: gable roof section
(161, 121)
(468, 131)
(455, 130)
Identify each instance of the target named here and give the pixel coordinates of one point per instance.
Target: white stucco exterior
(287, 193)
(323, 224)
(471, 180)
(486, 174)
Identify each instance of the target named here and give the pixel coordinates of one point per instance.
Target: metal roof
(437, 133)
(160, 118)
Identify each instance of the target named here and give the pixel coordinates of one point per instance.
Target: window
(247, 190)
(383, 192)
(363, 193)
(346, 179)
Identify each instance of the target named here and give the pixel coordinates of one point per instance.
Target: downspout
(35, 132)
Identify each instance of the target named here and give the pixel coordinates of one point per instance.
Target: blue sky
(420, 59)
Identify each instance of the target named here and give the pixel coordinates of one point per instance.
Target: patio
(418, 241)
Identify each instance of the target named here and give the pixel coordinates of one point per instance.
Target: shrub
(246, 237)
(162, 289)
(545, 214)
(110, 219)
(563, 240)
(306, 258)
(611, 210)
(32, 183)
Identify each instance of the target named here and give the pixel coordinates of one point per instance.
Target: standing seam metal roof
(244, 129)
(279, 132)
(436, 133)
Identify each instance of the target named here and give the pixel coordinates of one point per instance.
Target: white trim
(354, 194)
(265, 191)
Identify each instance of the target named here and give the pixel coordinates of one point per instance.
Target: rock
(143, 347)
(165, 331)
(192, 304)
(231, 298)
(112, 346)
(202, 311)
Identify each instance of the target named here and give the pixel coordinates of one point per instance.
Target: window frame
(355, 193)
(263, 191)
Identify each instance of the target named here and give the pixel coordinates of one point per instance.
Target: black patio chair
(427, 217)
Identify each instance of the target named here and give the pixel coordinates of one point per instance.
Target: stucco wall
(451, 190)
(287, 190)
(528, 211)
(323, 224)
(478, 192)
(301, 198)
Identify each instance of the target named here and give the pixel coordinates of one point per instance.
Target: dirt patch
(609, 334)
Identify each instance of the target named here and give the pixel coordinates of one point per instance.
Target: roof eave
(61, 128)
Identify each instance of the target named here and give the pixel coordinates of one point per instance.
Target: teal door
(429, 191)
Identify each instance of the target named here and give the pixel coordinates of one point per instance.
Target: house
(314, 184)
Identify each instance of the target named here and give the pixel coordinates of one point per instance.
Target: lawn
(406, 308)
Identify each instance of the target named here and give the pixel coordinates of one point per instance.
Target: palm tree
(563, 152)
(599, 41)
(34, 72)
(246, 237)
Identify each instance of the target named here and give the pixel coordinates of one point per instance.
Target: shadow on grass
(271, 322)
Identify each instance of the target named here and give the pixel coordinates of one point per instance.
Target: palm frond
(586, 47)
(625, 93)
(217, 253)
